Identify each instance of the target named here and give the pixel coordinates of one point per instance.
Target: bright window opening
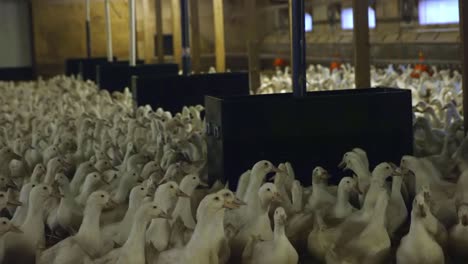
(347, 21)
(308, 22)
(438, 12)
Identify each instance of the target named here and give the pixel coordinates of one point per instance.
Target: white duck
(419, 246)
(372, 245)
(22, 247)
(458, 235)
(6, 226)
(276, 251)
(183, 207)
(199, 250)
(119, 232)
(88, 243)
(320, 196)
(159, 232)
(133, 251)
(258, 223)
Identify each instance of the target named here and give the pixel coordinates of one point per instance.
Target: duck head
(280, 217)
(230, 197)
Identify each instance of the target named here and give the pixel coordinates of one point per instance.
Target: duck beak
(15, 229)
(203, 184)
(165, 216)
(56, 195)
(12, 185)
(239, 202)
(230, 205)
(464, 220)
(14, 203)
(422, 211)
(342, 165)
(277, 197)
(180, 193)
(111, 204)
(277, 170)
(283, 219)
(105, 182)
(162, 181)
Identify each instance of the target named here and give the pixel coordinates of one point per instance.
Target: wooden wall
(59, 30)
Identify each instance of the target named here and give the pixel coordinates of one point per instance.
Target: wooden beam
(361, 43)
(176, 32)
(463, 7)
(220, 50)
(148, 31)
(252, 44)
(195, 27)
(159, 30)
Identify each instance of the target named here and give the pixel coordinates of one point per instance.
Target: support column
(176, 32)
(361, 43)
(110, 53)
(298, 48)
(148, 30)
(252, 44)
(88, 28)
(220, 50)
(195, 24)
(463, 6)
(185, 22)
(132, 39)
(159, 31)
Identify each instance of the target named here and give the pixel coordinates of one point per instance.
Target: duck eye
(217, 198)
(45, 187)
(1, 195)
(102, 195)
(268, 189)
(155, 207)
(172, 187)
(142, 189)
(4, 222)
(34, 185)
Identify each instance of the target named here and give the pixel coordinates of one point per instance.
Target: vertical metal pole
(298, 46)
(220, 49)
(132, 25)
(110, 55)
(159, 31)
(361, 43)
(195, 26)
(184, 21)
(463, 7)
(88, 28)
(252, 45)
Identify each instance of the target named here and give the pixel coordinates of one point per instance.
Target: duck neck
(396, 186)
(379, 215)
(122, 190)
(255, 182)
(279, 231)
(343, 198)
(90, 227)
(136, 240)
(264, 206)
(35, 214)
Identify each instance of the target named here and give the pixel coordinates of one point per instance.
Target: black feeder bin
(115, 77)
(309, 131)
(84, 67)
(172, 93)
(16, 74)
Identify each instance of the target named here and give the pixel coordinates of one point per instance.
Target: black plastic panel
(311, 131)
